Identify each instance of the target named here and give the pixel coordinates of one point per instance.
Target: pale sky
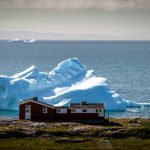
(75, 19)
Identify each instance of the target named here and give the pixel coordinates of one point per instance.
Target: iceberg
(69, 82)
(21, 40)
(29, 41)
(15, 40)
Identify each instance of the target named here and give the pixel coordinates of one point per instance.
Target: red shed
(32, 109)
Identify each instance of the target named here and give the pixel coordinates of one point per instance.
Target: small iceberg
(15, 40)
(21, 40)
(30, 41)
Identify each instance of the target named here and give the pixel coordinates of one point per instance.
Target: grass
(44, 144)
(130, 144)
(95, 143)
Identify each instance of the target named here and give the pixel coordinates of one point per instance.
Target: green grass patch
(130, 144)
(94, 143)
(45, 144)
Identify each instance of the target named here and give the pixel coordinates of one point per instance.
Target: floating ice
(21, 40)
(15, 40)
(69, 82)
(30, 41)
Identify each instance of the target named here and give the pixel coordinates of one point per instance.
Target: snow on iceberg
(22, 40)
(69, 82)
(15, 40)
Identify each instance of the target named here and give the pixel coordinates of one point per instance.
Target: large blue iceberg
(69, 82)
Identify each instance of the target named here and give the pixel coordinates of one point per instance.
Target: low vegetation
(119, 134)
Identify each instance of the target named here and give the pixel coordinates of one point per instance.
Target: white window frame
(89, 110)
(84, 110)
(28, 108)
(73, 110)
(45, 110)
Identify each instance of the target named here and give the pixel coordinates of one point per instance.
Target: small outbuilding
(33, 109)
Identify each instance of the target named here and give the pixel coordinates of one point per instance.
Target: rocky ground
(70, 132)
(117, 128)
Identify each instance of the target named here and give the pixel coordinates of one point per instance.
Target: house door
(101, 113)
(28, 112)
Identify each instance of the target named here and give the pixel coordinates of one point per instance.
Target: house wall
(84, 116)
(89, 110)
(63, 116)
(37, 112)
(90, 114)
(61, 110)
(21, 111)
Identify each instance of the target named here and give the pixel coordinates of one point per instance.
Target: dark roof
(61, 106)
(35, 100)
(83, 104)
(87, 105)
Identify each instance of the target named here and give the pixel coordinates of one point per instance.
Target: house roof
(61, 106)
(35, 100)
(83, 104)
(88, 105)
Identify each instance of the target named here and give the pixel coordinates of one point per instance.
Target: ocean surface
(125, 64)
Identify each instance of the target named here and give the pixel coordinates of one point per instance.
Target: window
(62, 110)
(58, 110)
(100, 110)
(27, 108)
(73, 110)
(45, 110)
(96, 110)
(84, 110)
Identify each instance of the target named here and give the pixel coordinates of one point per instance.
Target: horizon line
(125, 40)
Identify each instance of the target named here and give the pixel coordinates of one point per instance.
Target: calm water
(126, 65)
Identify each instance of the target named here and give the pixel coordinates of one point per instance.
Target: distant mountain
(9, 35)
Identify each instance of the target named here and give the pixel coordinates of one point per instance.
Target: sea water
(125, 64)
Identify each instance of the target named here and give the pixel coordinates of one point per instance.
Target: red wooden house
(33, 109)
